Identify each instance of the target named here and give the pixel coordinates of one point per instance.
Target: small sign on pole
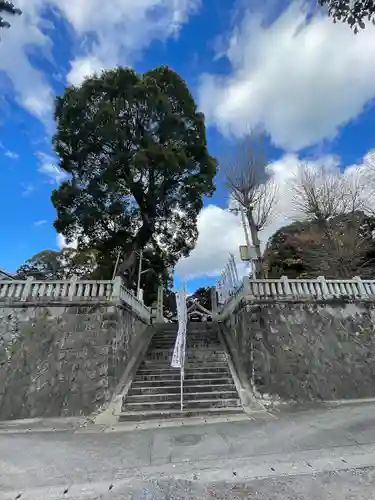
(247, 253)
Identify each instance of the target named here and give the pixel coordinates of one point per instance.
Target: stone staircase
(208, 386)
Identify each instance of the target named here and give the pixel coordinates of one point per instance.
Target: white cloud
(109, 33)
(300, 78)
(62, 243)
(49, 168)
(27, 189)
(31, 88)
(122, 29)
(40, 222)
(221, 233)
(12, 155)
(83, 67)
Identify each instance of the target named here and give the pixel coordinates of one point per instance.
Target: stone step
(189, 331)
(165, 377)
(189, 345)
(195, 338)
(188, 396)
(194, 325)
(192, 350)
(200, 340)
(160, 383)
(138, 416)
(188, 405)
(199, 370)
(151, 365)
(201, 355)
(175, 389)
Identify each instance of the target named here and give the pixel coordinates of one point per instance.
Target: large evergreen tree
(135, 148)
(203, 296)
(59, 265)
(8, 8)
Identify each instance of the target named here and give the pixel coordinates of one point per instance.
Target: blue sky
(308, 82)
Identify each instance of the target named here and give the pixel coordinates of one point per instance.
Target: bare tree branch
(320, 193)
(250, 186)
(264, 207)
(334, 202)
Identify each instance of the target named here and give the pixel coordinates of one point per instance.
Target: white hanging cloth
(179, 348)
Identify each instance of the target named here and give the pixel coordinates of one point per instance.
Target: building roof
(198, 308)
(5, 276)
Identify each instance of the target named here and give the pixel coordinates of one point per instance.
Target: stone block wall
(62, 361)
(307, 350)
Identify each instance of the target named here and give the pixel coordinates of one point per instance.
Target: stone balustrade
(297, 289)
(73, 290)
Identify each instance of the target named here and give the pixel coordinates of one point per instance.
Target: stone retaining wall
(62, 360)
(307, 350)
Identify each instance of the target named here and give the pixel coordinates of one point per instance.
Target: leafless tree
(339, 238)
(322, 193)
(251, 187)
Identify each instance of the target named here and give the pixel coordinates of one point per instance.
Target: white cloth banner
(179, 348)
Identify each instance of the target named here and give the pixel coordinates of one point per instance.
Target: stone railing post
(159, 311)
(323, 286)
(214, 300)
(116, 290)
(360, 285)
(287, 289)
(27, 288)
(246, 286)
(72, 287)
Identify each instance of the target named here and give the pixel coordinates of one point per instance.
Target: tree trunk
(255, 239)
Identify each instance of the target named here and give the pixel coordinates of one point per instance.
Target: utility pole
(240, 210)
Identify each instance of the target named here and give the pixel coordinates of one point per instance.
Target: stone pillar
(72, 285)
(159, 312)
(324, 287)
(116, 290)
(214, 301)
(27, 288)
(361, 288)
(246, 286)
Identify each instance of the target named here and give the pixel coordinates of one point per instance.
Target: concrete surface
(322, 452)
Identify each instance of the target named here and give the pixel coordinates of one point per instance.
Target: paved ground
(308, 454)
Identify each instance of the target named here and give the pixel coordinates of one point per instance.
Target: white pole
(139, 272)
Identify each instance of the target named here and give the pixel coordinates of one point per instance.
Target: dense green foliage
(344, 248)
(203, 296)
(353, 12)
(90, 264)
(7, 8)
(134, 146)
(58, 265)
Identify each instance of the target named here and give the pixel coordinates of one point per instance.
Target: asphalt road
(312, 454)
